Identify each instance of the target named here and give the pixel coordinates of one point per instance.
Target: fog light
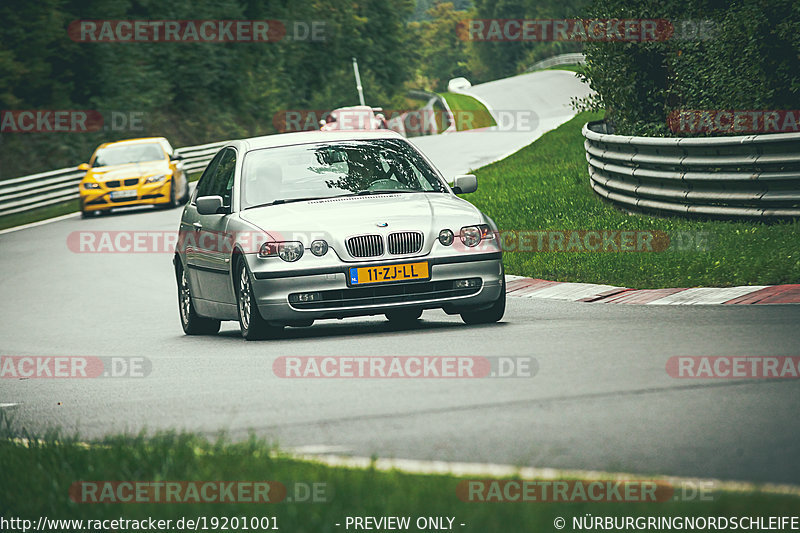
(466, 283)
(446, 237)
(305, 297)
(319, 248)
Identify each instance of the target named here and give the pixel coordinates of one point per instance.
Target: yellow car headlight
(156, 179)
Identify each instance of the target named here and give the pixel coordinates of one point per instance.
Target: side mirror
(84, 167)
(209, 205)
(465, 184)
(176, 157)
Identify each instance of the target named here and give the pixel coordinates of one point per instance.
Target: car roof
(134, 141)
(311, 137)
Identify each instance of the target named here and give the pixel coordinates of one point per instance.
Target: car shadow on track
(365, 329)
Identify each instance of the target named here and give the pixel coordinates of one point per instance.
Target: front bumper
(141, 194)
(276, 292)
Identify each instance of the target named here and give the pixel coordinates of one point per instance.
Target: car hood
(132, 170)
(336, 219)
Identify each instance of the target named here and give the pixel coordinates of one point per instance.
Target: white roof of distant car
(311, 137)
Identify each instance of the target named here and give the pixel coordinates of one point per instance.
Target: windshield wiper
(380, 191)
(288, 201)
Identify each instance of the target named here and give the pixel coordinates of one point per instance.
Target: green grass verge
(545, 186)
(51, 211)
(469, 113)
(36, 215)
(37, 478)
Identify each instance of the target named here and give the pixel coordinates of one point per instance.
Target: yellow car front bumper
(125, 193)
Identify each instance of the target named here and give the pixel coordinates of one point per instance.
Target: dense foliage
(203, 92)
(747, 57)
(500, 59)
(190, 92)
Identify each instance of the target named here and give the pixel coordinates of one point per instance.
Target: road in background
(525, 106)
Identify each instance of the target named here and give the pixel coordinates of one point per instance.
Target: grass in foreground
(545, 186)
(37, 478)
(469, 113)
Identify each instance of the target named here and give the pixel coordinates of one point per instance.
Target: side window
(205, 185)
(223, 177)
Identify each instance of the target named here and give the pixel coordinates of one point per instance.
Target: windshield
(334, 169)
(128, 153)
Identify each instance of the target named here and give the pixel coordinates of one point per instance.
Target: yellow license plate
(387, 273)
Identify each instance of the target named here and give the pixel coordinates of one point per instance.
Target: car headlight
(319, 248)
(472, 235)
(156, 179)
(90, 185)
(446, 237)
(288, 251)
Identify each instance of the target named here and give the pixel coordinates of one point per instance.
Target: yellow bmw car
(133, 172)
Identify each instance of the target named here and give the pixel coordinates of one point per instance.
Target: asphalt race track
(526, 106)
(600, 400)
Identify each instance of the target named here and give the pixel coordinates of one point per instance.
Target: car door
(190, 226)
(214, 245)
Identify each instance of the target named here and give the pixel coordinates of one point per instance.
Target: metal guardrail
(432, 99)
(57, 186)
(743, 176)
(563, 59)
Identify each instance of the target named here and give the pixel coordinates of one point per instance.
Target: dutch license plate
(388, 273)
(124, 194)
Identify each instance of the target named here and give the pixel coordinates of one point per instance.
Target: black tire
(490, 315)
(252, 324)
(186, 193)
(174, 201)
(95, 213)
(404, 316)
(192, 323)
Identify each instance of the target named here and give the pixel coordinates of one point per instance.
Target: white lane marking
(318, 449)
(4, 405)
(492, 470)
(579, 291)
(569, 291)
(40, 223)
(706, 295)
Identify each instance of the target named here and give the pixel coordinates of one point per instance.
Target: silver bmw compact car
(287, 229)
